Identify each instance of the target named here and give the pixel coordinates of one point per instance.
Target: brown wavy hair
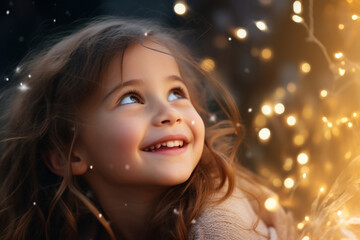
(43, 116)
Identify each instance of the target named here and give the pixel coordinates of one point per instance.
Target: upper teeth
(175, 143)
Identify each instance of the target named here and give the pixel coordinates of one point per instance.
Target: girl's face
(146, 131)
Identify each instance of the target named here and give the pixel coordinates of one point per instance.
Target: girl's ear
(58, 165)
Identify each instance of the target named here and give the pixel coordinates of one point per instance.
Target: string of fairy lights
(331, 126)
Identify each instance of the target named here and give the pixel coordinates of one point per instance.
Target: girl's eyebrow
(138, 82)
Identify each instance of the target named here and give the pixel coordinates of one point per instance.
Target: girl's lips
(170, 150)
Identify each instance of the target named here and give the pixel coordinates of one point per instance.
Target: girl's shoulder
(234, 218)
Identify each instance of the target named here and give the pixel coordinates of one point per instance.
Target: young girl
(106, 135)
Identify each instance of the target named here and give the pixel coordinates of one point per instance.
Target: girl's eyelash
(130, 92)
(180, 89)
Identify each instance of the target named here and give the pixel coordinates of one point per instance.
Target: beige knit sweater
(234, 219)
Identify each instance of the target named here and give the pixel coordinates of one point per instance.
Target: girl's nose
(167, 115)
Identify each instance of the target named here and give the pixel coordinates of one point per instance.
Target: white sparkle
(6, 79)
(238, 124)
(229, 38)
(34, 203)
(193, 221)
(212, 118)
(127, 166)
(193, 122)
(7, 12)
(146, 33)
(250, 110)
(29, 75)
(100, 215)
(91, 167)
(54, 20)
(17, 70)
(23, 87)
(176, 211)
(125, 204)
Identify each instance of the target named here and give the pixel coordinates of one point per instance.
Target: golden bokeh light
(291, 87)
(299, 139)
(261, 25)
(297, 18)
(323, 93)
(297, 7)
(338, 55)
(180, 8)
(300, 226)
(266, 110)
(291, 120)
(305, 67)
(266, 54)
(279, 108)
(264, 134)
(302, 158)
(288, 164)
(207, 64)
(241, 33)
(289, 182)
(271, 204)
(342, 71)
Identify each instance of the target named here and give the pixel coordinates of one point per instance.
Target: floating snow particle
(125, 204)
(34, 203)
(193, 221)
(193, 122)
(54, 20)
(7, 12)
(238, 124)
(212, 118)
(127, 166)
(100, 215)
(229, 38)
(29, 75)
(176, 211)
(250, 110)
(91, 167)
(6, 79)
(17, 70)
(23, 87)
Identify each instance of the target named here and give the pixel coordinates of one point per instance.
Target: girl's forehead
(140, 60)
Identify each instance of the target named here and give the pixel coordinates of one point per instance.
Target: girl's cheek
(118, 142)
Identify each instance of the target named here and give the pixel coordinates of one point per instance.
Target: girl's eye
(175, 94)
(130, 97)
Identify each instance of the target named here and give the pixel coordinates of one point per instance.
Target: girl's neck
(129, 209)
